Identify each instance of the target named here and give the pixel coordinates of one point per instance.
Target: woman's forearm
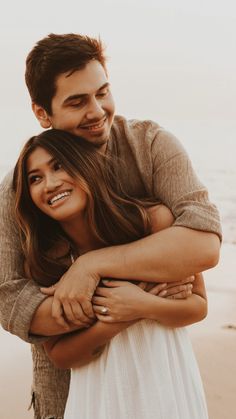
(174, 313)
(80, 348)
(126, 301)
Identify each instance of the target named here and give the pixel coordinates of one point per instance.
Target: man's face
(83, 104)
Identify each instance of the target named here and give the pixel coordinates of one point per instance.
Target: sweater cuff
(26, 303)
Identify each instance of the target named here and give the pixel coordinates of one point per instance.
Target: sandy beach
(214, 341)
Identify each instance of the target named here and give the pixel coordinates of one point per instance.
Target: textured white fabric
(146, 372)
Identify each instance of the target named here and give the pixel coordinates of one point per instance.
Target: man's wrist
(90, 264)
(43, 324)
(103, 263)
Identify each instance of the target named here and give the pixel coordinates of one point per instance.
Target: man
(67, 81)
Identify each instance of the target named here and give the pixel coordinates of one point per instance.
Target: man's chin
(99, 142)
(98, 139)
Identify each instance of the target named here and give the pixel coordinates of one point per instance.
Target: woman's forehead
(38, 158)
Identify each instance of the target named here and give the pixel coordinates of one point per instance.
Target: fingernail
(162, 293)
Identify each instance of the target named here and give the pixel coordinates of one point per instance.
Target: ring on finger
(104, 310)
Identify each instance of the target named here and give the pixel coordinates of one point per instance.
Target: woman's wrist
(148, 309)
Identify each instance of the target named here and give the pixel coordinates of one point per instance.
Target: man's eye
(76, 104)
(103, 93)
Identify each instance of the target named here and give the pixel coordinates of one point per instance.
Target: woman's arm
(80, 348)
(126, 304)
(126, 301)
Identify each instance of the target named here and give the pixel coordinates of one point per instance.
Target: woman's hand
(124, 301)
(118, 301)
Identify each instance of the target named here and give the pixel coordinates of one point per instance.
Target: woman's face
(52, 189)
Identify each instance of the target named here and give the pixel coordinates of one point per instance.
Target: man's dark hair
(54, 55)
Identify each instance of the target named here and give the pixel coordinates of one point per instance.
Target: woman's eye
(57, 166)
(34, 179)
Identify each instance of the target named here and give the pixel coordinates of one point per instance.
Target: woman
(68, 202)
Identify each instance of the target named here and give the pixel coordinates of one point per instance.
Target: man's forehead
(82, 82)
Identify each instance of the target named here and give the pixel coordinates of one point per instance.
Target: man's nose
(95, 110)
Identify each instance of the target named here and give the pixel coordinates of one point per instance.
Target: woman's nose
(52, 182)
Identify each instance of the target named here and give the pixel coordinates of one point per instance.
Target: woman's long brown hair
(114, 217)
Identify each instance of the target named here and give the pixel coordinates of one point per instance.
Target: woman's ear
(41, 116)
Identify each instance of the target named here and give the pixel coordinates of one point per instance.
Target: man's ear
(41, 116)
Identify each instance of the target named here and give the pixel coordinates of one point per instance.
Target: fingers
(142, 285)
(105, 318)
(156, 289)
(48, 290)
(74, 313)
(113, 283)
(102, 292)
(188, 280)
(147, 286)
(66, 313)
(103, 310)
(102, 314)
(58, 315)
(87, 308)
(99, 301)
(177, 292)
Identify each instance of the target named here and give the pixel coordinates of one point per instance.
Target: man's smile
(98, 125)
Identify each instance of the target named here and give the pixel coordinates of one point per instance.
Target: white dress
(146, 372)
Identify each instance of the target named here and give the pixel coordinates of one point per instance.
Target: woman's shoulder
(161, 217)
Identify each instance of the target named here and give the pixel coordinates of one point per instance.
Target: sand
(214, 341)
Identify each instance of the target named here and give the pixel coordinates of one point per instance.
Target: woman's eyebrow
(50, 161)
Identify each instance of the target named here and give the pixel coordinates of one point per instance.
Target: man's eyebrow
(107, 84)
(37, 170)
(82, 95)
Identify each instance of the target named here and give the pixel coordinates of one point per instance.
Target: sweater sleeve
(19, 297)
(177, 186)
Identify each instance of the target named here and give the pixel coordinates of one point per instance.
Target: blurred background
(170, 61)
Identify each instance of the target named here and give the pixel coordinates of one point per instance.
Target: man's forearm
(44, 324)
(169, 255)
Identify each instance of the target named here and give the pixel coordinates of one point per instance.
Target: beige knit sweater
(152, 163)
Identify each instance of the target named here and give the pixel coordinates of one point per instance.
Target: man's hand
(43, 324)
(73, 294)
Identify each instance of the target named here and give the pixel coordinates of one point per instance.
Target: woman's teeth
(58, 197)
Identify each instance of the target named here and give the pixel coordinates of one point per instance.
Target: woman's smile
(52, 189)
(59, 198)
